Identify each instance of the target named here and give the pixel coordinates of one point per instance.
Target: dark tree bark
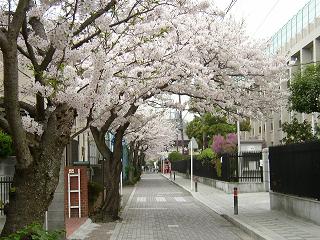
(34, 185)
(110, 208)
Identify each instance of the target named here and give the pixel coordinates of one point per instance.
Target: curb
(243, 226)
(117, 229)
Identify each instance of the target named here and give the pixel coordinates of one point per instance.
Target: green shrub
(297, 132)
(218, 166)
(34, 232)
(5, 144)
(207, 155)
(176, 156)
(94, 190)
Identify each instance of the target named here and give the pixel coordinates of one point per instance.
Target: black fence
(248, 163)
(5, 184)
(295, 169)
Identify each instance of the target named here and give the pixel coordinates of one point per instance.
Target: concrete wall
(301, 207)
(266, 168)
(228, 186)
(56, 208)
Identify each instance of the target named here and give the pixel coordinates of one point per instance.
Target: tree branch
(4, 125)
(23, 105)
(85, 40)
(23, 52)
(48, 58)
(108, 123)
(18, 18)
(94, 16)
(31, 53)
(3, 40)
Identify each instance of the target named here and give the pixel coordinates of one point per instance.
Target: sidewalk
(255, 216)
(98, 231)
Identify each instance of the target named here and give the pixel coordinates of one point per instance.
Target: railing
(248, 163)
(296, 25)
(295, 169)
(5, 184)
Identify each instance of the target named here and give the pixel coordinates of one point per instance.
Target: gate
(5, 184)
(243, 168)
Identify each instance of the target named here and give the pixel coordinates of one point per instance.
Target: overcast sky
(263, 17)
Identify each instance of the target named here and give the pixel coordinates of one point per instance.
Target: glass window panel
(317, 8)
(312, 10)
(283, 36)
(275, 42)
(305, 16)
(294, 26)
(299, 21)
(288, 26)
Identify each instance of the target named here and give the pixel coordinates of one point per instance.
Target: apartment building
(299, 39)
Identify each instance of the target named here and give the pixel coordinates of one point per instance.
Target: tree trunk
(34, 186)
(109, 211)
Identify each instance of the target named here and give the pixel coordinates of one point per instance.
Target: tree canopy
(204, 127)
(297, 132)
(305, 90)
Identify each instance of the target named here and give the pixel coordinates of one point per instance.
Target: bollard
(196, 186)
(174, 176)
(235, 200)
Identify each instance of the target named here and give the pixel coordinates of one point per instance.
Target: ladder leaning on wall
(72, 174)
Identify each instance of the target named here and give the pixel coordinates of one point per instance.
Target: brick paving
(160, 210)
(100, 231)
(255, 215)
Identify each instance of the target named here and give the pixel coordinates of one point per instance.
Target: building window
(260, 129)
(271, 126)
(280, 124)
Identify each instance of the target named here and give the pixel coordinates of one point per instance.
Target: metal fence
(5, 184)
(295, 169)
(247, 162)
(243, 168)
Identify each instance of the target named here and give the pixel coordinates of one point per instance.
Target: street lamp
(192, 145)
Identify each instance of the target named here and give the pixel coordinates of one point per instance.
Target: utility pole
(181, 126)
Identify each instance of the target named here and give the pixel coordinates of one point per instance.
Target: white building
(299, 38)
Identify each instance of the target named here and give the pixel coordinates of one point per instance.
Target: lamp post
(192, 145)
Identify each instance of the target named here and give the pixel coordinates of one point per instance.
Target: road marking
(163, 193)
(160, 199)
(179, 199)
(151, 178)
(173, 226)
(141, 199)
(147, 208)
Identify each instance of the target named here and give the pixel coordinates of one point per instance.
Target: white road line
(163, 193)
(160, 199)
(179, 199)
(173, 226)
(147, 208)
(141, 199)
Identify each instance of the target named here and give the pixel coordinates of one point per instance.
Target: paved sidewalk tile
(254, 213)
(168, 212)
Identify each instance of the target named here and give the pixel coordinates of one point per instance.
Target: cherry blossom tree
(49, 42)
(99, 61)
